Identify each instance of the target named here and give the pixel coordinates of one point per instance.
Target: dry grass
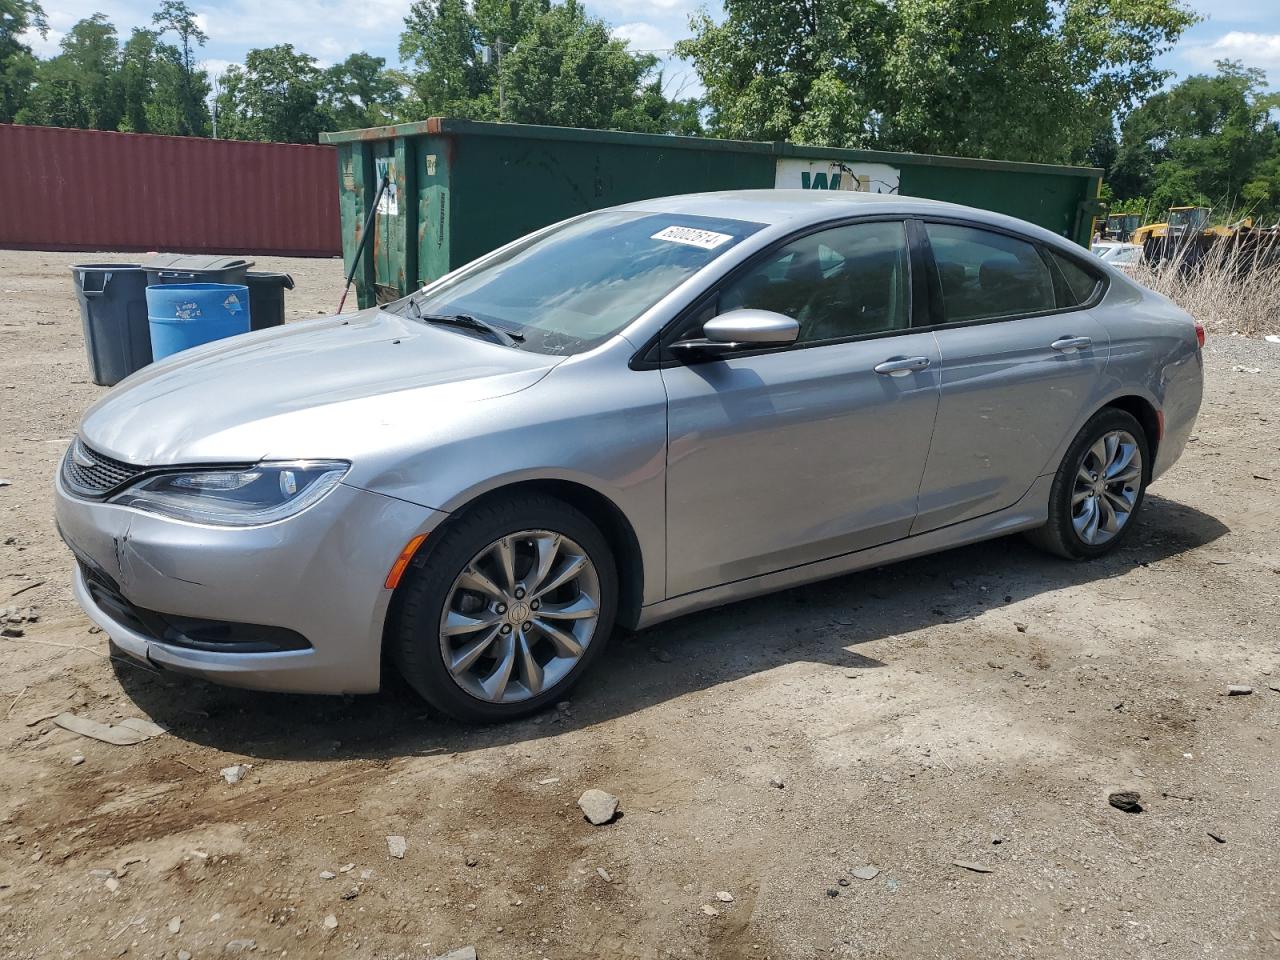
(1228, 291)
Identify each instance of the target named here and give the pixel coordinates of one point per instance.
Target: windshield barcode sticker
(705, 239)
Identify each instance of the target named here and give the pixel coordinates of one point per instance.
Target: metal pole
(502, 100)
(217, 91)
(364, 238)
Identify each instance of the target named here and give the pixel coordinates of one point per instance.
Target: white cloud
(644, 36)
(215, 67)
(624, 9)
(46, 46)
(1253, 49)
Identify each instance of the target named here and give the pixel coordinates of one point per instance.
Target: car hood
(320, 388)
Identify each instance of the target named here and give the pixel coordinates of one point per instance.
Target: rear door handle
(1071, 344)
(901, 366)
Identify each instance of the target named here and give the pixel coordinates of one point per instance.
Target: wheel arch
(600, 509)
(1147, 415)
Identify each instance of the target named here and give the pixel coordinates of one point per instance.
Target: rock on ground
(598, 807)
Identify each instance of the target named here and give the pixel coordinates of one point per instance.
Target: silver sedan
(624, 417)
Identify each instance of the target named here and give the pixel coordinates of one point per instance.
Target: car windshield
(575, 286)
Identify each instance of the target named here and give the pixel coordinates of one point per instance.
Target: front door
(782, 457)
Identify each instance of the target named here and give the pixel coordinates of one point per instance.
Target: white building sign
(803, 174)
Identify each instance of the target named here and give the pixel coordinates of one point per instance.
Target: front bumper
(319, 573)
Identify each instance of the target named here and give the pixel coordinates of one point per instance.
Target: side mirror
(742, 330)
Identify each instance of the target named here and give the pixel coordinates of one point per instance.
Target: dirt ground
(974, 706)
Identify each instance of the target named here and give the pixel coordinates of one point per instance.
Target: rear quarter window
(1077, 284)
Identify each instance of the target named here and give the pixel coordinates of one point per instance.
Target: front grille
(92, 474)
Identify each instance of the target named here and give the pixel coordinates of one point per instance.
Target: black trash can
(189, 268)
(266, 298)
(113, 309)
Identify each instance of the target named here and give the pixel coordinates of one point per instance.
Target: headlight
(236, 498)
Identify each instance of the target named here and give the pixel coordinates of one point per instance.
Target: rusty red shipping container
(66, 189)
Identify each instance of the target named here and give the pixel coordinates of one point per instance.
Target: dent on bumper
(320, 573)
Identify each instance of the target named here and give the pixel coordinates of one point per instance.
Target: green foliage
(182, 88)
(546, 63)
(17, 64)
(569, 71)
(1047, 80)
(442, 40)
(1209, 140)
(80, 87)
(138, 74)
(361, 92)
(275, 96)
(1013, 79)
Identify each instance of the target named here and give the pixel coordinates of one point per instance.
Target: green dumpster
(460, 188)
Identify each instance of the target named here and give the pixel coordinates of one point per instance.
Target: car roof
(796, 208)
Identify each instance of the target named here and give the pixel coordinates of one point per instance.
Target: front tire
(1098, 489)
(510, 606)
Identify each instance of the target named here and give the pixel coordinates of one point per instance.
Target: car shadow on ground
(824, 622)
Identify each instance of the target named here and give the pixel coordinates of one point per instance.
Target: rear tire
(1083, 502)
(498, 547)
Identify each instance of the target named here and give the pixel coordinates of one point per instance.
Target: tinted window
(1080, 283)
(844, 282)
(985, 275)
(578, 284)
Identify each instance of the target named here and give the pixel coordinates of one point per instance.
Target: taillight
(1200, 333)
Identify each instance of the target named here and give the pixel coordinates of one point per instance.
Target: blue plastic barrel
(185, 315)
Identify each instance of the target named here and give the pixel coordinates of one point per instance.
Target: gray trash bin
(194, 268)
(266, 298)
(113, 309)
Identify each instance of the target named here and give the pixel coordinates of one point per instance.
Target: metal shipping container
(460, 188)
(66, 189)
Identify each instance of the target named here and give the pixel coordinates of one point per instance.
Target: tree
(808, 71)
(568, 70)
(442, 40)
(275, 96)
(1207, 140)
(80, 87)
(545, 63)
(138, 69)
(17, 64)
(1014, 79)
(182, 88)
(361, 92)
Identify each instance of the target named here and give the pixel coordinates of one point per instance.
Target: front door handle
(901, 366)
(1071, 344)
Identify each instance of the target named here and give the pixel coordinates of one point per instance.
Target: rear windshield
(575, 286)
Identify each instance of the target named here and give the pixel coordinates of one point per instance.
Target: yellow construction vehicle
(1120, 226)
(1182, 220)
(1186, 221)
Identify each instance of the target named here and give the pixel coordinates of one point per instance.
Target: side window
(985, 275)
(843, 282)
(1080, 283)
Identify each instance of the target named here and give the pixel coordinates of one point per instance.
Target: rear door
(1022, 361)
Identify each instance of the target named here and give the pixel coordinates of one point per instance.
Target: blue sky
(329, 30)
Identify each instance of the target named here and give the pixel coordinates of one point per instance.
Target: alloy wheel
(520, 615)
(1108, 481)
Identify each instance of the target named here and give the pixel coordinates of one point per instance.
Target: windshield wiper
(468, 322)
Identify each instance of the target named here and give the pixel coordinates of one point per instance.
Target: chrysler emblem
(81, 456)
